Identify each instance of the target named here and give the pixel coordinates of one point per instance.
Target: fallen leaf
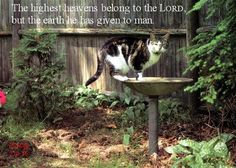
(111, 126)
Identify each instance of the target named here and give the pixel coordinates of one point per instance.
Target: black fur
(133, 49)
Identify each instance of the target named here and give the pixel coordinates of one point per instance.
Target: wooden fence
(80, 43)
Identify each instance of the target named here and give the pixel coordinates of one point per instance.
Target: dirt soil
(79, 137)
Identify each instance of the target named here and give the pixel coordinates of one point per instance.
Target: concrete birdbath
(153, 87)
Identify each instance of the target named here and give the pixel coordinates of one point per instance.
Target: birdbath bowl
(153, 87)
(157, 86)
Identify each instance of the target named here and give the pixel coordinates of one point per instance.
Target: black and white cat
(129, 53)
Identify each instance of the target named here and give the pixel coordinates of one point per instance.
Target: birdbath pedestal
(153, 87)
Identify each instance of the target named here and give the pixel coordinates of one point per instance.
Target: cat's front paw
(139, 76)
(141, 79)
(121, 78)
(126, 78)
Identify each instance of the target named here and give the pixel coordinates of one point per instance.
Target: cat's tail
(100, 65)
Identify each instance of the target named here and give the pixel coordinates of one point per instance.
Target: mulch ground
(95, 133)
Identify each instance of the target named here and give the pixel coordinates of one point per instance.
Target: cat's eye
(154, 43)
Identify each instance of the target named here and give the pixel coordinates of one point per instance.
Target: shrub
(38, 69)
(214, 54)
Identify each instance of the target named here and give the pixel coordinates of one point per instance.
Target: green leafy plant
(88, 98)
(41, 92)
(213, 53)
(135, 113)
(127, 136)
(172, 110)
(205, 154)
(12, 98)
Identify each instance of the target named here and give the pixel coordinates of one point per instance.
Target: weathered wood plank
(5, 33)
(1, 60)
(5, 67)
(69, 31)
(5, 58)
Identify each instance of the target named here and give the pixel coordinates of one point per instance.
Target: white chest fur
(155, 53)
(154, 58)
(118, 61)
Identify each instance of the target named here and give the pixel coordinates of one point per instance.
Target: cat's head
(158, 44)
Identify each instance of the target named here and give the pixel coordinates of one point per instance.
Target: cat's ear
(166, 37)
(152, 37)
(165, 40)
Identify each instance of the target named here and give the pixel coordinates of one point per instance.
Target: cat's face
(158, 45)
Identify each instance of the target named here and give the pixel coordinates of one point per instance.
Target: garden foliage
(37, 80)
(205, 154)
(214, 54)
(88, 98)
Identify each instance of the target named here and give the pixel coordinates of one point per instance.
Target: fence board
(5, 15)
(5, 67)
